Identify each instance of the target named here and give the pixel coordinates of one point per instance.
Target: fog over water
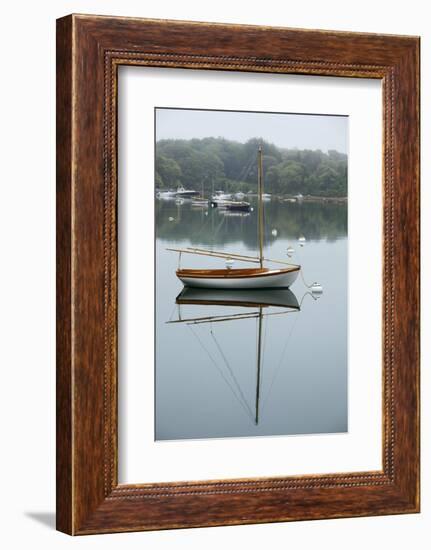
(287, 130)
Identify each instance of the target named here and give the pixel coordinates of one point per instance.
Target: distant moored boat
(166, 194)
(186, 193)
(236, 206)
(219, 198)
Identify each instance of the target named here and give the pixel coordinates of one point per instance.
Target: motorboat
(186, 193)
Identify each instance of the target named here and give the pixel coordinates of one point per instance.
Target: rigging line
(246, 169)
(205, 221)
(308, 293)
(220, 372)
(172, 312)
(217, 229)
(232, 374)
(280, 362)
(303, 280)
(301, 271)
(219, 369)
(248, 166)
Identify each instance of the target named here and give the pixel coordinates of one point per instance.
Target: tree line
(211, 163)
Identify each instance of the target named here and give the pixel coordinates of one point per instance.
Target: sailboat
(201, 201)
(257, 301)
(240, 278)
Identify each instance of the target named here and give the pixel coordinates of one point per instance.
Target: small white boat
(166, 194)
(220, 197)
(186, 193)
(239, 196)
(266, 196)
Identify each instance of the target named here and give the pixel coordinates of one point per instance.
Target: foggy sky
(284, 130)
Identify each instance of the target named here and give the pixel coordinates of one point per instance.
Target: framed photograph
(237, 274)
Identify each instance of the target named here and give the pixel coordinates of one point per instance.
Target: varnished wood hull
(239, 278)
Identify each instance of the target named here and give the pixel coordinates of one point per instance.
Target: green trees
(287, 177)
(168, 172)
(217, 163)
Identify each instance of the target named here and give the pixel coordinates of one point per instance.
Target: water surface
(208, 380)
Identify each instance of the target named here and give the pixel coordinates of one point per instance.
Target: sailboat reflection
(282, 297)
(262, 303)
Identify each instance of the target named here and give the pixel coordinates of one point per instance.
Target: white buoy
(229, 263)
(316, 288)
(171, 219)
(302, 239)
(274, 232)
(290, 251)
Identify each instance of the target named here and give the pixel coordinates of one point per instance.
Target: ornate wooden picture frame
(89, 51)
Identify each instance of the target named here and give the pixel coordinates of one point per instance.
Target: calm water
(207, 379)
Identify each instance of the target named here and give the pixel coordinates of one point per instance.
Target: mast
(260, 204)
(259, 361)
